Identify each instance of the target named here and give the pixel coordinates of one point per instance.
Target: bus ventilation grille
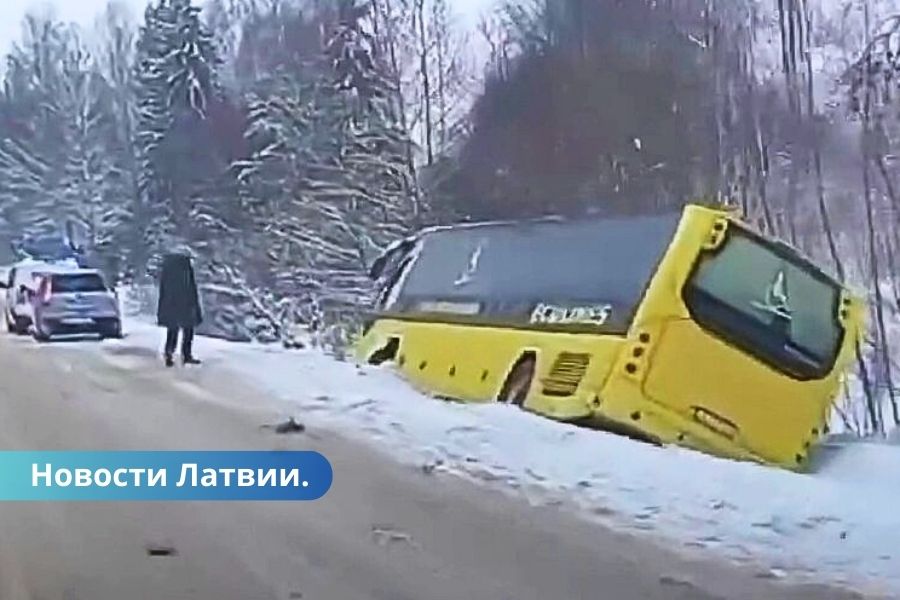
(567, 372)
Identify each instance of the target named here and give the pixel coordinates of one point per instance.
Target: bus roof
(623, 220)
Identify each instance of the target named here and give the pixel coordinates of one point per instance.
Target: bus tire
(518, 382)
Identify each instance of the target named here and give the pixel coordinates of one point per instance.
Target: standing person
(179, 305)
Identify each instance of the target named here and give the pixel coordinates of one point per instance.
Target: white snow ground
(841, 524)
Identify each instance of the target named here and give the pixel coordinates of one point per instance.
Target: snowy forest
(289, 141)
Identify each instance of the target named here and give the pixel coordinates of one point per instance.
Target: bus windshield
(769, 302)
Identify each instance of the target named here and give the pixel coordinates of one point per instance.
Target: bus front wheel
(518, 382)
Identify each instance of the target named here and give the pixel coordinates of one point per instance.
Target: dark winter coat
(179, 303)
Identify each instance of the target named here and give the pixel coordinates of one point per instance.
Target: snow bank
(841, 523)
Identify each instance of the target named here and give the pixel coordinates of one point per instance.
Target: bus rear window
(769, 303)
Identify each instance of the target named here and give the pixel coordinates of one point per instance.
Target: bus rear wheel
(518, 382)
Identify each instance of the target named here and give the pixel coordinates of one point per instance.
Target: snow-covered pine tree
(175, 84)
(116, 35)
(370, 203)
(60, 160)
(328, 180)
(31, 155)
(94, 192)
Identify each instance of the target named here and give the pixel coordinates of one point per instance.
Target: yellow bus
(686, 328)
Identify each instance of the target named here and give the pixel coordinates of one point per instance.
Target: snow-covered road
(841, 524)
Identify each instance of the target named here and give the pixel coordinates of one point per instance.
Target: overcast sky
(85, 11)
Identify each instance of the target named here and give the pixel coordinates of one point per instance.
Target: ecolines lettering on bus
(591, 315)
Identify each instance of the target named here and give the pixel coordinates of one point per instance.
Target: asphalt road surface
(385, 531)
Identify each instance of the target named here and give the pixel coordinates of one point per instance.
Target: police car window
(77, 283)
